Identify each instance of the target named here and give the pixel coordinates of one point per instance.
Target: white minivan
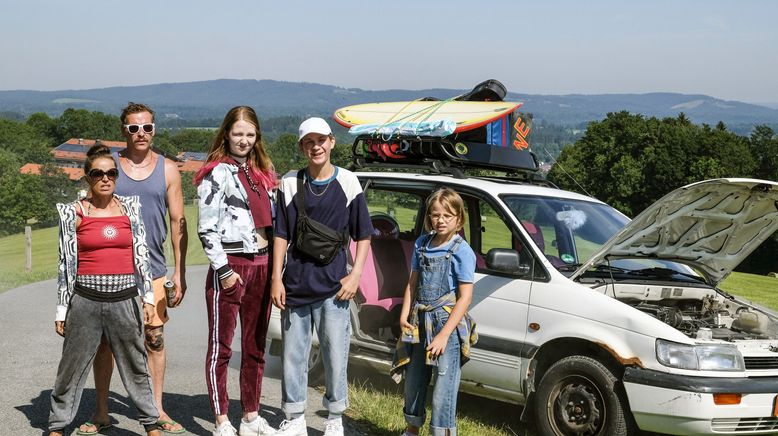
(598, 325)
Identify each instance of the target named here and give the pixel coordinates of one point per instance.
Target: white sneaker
(333, 427)
(295, 427)
(257, 427)
(225, 429)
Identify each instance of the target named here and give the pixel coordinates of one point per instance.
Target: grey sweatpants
(122, 324)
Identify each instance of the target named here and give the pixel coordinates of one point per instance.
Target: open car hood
(711, 226)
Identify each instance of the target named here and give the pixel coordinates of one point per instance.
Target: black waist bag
(314, 239)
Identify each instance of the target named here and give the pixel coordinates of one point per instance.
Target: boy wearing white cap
(311, 293)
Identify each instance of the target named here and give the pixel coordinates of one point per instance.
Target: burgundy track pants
(251, 301)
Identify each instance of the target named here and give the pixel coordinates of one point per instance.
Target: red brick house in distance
(70, 157)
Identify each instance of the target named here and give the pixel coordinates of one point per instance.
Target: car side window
(494, 232)
(394, 213)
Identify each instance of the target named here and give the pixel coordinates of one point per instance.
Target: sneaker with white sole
(225, 429)
(295, 427)
(257, 427)
(333, 427)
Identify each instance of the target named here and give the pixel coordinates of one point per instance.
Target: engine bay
(699, 312)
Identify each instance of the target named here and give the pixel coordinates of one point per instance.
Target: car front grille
(766, 362)
(734, 425)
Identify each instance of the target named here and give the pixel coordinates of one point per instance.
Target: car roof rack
(436, 155)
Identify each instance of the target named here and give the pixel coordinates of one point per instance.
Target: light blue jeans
(332, 322)
(444, 394)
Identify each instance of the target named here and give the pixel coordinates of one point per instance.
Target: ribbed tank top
(104, 245)
(153, 200)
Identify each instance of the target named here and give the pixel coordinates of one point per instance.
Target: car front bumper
(678, 404)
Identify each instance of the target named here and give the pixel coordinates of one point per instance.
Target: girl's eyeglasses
(135, 128)
(97, 174)
(444, 217)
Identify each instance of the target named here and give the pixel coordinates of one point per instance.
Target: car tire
(579, 395)
(315, 367)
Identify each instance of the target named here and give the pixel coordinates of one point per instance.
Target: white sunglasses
(135, 128)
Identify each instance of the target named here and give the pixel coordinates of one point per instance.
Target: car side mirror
(506, 260)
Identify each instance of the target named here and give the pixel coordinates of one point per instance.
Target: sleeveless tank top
(104, 245)
(152, 193)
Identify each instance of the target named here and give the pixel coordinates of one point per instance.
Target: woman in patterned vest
(103, 268)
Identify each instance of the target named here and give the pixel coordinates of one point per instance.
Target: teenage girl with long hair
(235, 225)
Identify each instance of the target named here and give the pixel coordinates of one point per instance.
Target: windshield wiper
(666, 273)
(569, 267)
(599, 267)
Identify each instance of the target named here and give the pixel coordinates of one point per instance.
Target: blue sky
(726, 49)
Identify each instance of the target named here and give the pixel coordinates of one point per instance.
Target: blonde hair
(451, 201)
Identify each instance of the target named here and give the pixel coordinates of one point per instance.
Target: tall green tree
(23, 199)
(764, 146)
(9, 163)
(44, 125)
(24, 141)
(58, 188)
(81, 123)
(630, 161)
(285, 154)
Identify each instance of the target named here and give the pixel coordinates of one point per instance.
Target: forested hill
(210, 99)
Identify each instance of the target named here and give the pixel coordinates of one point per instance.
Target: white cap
(314, 125)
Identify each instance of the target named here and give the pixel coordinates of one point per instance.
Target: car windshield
(570, 231)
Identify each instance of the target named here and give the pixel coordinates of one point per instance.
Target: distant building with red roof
(72, 173)
(71, 155)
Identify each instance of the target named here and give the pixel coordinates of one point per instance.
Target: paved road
(30, 351)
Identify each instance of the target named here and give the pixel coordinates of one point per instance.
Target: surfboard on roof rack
(489, 135)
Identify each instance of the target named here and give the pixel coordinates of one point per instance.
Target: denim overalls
(432, 295)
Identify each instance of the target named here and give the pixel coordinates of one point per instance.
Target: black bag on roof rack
(488, 90)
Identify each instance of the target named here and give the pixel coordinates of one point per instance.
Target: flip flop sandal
(98, 428)
(162, 422)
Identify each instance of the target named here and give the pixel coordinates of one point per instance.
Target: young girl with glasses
(97, 298)
(437, 332)
(235, 226)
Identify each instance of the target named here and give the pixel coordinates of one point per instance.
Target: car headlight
(708, 357)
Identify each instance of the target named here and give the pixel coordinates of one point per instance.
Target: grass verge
(378, 410)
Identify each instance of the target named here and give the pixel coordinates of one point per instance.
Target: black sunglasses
(97, 174)
(135, 128)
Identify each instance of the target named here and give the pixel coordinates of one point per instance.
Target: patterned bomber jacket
(68, 253)
(225, 223)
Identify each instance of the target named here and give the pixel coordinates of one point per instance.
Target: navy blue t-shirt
(338, 203)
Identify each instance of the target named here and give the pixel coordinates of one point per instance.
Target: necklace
(325, 187)
(89, 207)
(140, 165)
(252, 185)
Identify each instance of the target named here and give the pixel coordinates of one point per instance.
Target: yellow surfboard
(467, 115)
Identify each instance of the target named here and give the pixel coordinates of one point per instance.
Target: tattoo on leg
(155, 340)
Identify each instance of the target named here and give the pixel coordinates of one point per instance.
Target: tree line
(627, 160)
(630, 161)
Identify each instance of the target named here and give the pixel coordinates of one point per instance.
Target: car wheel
(579, 395)
(315, 367)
